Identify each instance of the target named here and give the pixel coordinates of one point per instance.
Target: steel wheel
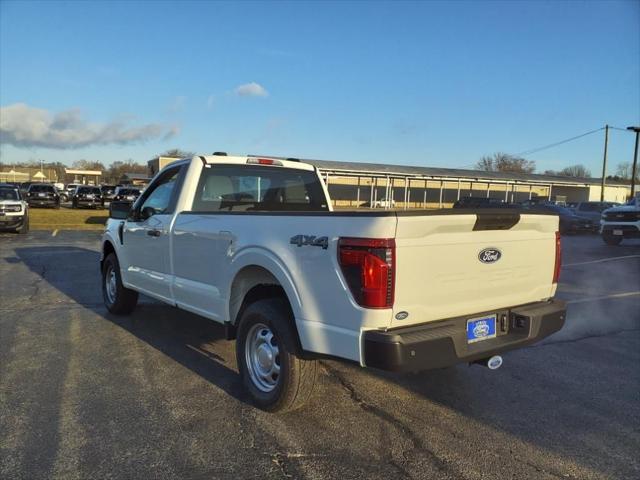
(111, 285)
(262, 356)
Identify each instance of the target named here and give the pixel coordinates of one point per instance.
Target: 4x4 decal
(311, 240)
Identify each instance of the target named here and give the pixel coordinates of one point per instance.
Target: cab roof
(220, 158)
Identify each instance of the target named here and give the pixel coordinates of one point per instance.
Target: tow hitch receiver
(492, 363)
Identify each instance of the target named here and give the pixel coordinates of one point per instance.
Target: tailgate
(439, 272)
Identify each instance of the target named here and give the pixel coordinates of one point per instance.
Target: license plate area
(618, 232)
(481, 328)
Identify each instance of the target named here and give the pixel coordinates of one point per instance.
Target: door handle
(154, 233)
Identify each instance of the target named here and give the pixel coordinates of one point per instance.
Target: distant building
(158, 163)
(137, 179)
(84, 177)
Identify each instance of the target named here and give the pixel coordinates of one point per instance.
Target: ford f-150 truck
(254, 244)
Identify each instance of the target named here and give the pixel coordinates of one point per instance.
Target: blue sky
(418, 83)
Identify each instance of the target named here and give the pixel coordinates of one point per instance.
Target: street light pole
(604, 162)
(635, 160)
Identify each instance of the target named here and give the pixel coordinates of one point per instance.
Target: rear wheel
(277, 379)
(117, 298)
(610, 239)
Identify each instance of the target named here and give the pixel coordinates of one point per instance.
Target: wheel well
(250, 285)
(107, 249)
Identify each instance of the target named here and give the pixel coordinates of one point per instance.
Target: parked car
(86, 196)
(14, 211)
(570, 222)
(24, 188)
(108, 192)
(67, 192)
(621, 222)
(482, 202)
(43, 195)
(592, 210)
(126, 194)
(254, 244)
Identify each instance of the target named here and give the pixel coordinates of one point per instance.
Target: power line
(555, 144)
(531, 151)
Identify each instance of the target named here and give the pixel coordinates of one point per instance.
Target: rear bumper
(89, 203)
(444, 343)
(43, 202)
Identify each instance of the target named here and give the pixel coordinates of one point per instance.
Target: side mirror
(147, 212)
(119, 210)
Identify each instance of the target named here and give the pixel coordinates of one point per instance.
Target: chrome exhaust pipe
(492, 363)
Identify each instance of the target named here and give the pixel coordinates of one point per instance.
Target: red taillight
(558, 264)
(368, 266)
(264, 161)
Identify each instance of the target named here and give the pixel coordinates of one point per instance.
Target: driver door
(146, 237)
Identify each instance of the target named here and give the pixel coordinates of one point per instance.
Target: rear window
(128, 191)
(258, 188)
(42, 188)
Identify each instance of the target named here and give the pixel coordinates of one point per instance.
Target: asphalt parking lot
(84, 394)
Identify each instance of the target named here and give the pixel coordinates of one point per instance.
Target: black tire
(611, 239)
(120, 300)
(24, 229)
(74, 204)
(296, 379)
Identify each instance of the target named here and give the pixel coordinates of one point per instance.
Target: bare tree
(575, 171)
(118, 168)
(88, 165)
(504, 162)
(623, 170)
(177, 153)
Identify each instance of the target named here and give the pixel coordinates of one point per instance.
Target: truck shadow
(186, 338)
(532, 399)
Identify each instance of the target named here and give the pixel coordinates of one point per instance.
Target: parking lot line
(55, 232)
(599, 261)
(604, 297)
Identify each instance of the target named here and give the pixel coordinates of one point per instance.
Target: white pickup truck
(621, 222)
(253, 243)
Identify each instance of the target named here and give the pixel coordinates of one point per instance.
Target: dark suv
(86, 196)
(108, 192)
(126, 194)
(42, 195)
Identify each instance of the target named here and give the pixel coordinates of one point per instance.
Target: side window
(159, 200)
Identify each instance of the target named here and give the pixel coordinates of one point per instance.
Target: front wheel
(277, 379)
(117, 298)
(24, 229)
(610, 239)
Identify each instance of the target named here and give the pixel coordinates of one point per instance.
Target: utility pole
(634, 168)
(604, 162)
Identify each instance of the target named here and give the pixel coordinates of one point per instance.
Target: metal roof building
(358, 184)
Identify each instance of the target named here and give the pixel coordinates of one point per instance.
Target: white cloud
(211, 101)
(25, 126)
(252, 89)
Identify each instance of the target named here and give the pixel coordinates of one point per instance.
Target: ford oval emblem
(402, 315)
(489, 255)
